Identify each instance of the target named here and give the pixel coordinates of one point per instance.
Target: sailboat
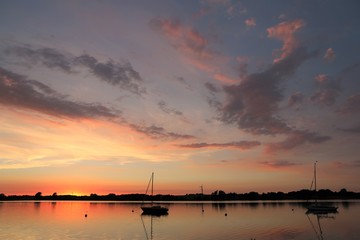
(153, 209)
(316, 207)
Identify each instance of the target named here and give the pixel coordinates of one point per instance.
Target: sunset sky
(233, 95)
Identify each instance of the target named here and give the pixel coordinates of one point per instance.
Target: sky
(233, 95)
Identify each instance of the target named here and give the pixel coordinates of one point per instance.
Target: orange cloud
(184, 38)
(195, 48)
(225, 79)
(285, 32)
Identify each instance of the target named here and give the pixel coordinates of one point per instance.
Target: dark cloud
(183, 81)
(159, 132)
(120, 74)
(355, 129)
(211, 87)
(254, 102)
(165, 108)
(278, 163)
(18, 91)
(352, 164)
(115, 73)
(212, 100)
(296, 100)
(241, 145)
(49, 57)
(351, 105)
(296, 138)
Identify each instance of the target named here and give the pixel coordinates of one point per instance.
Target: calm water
(236, 220)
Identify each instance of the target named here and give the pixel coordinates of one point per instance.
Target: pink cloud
(195, 47)
(184, 38)
(321, 79)
(285, 32)
(250, 22)
(329, 55)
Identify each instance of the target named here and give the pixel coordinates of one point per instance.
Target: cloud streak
(156, 132)
(296, 138)
(243, 145)
(18, 91)
(120, 74)
(278, 164)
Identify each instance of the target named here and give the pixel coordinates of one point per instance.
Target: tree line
(218, 195)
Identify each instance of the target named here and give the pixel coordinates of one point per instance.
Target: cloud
(285, 31)
(211, 88)
(352, 164)
(296, 138)
(156, 132)
(49, 57)
(329, 55)
(194, 47)
(115, 73)
(278, 163)
(184, 38)
(18, 91)
(351, 105)
(355, 129)
(165, 108)
(251, 22)
(253, 103)
(296, 100)
(120, 74)
(225, 79)
(327, 92)
(243, 145)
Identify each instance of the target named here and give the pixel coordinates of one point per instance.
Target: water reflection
(150, 233)
(317, 227)
(187, 220)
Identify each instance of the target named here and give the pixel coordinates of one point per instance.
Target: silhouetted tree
(2, 196)
(54, 195)
(38, 195)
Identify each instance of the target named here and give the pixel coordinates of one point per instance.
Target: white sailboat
(319, 208)
(153, 209)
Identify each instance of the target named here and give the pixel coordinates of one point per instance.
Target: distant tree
(38, 195)
(221, 193)
(343, 191)
(54, 195)
(215, 193)
(2, 196)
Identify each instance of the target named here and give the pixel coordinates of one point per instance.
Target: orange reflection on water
(195, 220)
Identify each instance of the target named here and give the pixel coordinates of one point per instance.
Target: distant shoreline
(219, 195)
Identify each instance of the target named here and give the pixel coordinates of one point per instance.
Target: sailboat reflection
(151, 216)
(318, 230)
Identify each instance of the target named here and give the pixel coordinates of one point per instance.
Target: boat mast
(152, 184)
(315, 174)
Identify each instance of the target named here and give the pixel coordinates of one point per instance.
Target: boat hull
(155, 210)
(321, 209)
